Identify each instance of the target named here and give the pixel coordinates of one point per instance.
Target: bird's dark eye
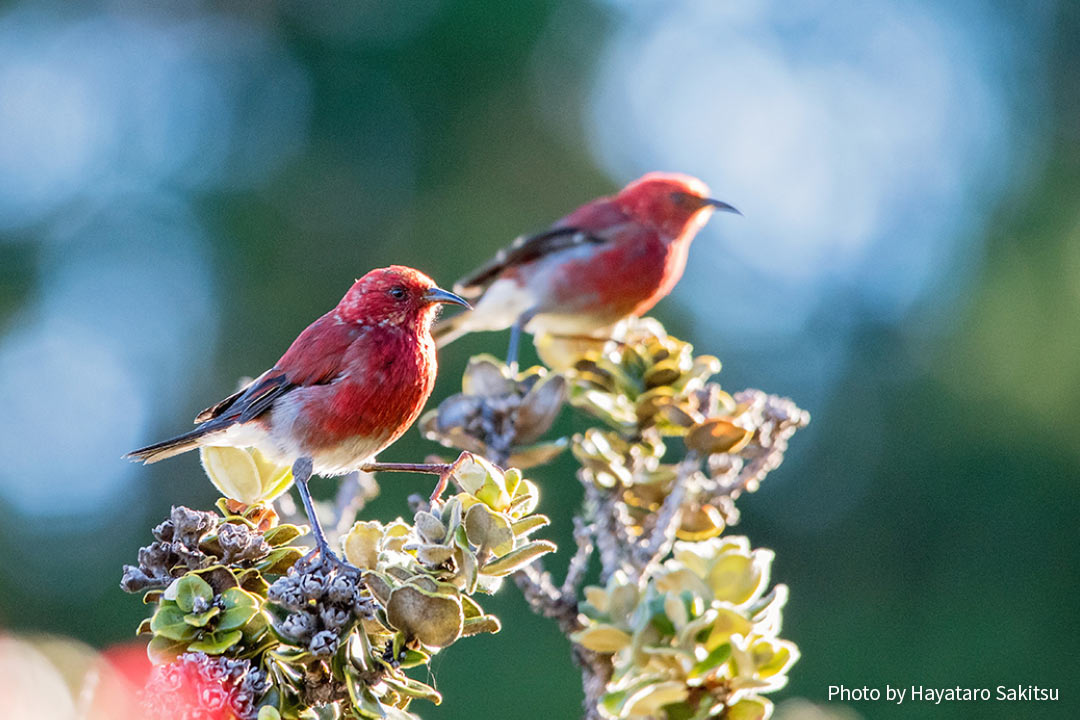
(397, 292)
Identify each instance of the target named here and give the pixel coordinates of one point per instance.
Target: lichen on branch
(684, 625)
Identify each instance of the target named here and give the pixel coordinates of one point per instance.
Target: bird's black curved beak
(720, 205)
(438, 295)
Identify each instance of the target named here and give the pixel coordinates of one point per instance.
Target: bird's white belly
(279, 444)
(500, 306)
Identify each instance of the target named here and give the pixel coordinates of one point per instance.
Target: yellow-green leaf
(602, 638)
(517, 559)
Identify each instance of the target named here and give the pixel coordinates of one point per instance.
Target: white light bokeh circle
(73, 403)
(103, 101)
(860, 141)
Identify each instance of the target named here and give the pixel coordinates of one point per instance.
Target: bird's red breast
(627, 275)
(390, 372)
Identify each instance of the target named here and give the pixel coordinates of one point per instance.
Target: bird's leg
(301, 471)
(443, 470)
(515, 339)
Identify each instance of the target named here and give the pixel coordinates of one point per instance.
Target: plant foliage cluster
(683, 623)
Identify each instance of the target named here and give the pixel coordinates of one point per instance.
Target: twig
(775, 420)
(579, 563)
(607, 531)
(545, 599)
(657, 545)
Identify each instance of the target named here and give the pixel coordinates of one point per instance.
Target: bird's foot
(326, 557)
(440, 487)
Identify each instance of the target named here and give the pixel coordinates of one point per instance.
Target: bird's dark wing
(524, 250)
(250, 402)
(314, 358)
(221, 406)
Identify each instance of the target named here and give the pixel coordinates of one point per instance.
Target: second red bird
(612, 258)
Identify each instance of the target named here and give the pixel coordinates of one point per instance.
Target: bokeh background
(184, 186)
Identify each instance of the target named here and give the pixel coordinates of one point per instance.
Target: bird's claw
(325, 556)
(440, 487)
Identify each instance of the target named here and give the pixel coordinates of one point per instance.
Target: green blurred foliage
(956, 560)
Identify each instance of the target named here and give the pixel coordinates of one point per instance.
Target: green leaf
(282, 534)
(413, 688)
(240, 607)
(658, 615)
(649, 699)
(527, 525)
(216, 643)
(168, 622)
(434, 619)
(185, 590)
(602, 638)
(280, 560)
(612, 702)
(679, 711)
(749, 709)
(267, 712)
(253, 581)
(483, 624)
(201, 619)
(517, 559)
(712, 661)
(485, 528)
(470, 607)
(356, 690)
(414, 658)
(162, 650)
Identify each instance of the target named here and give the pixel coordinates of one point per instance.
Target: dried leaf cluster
(292, 636)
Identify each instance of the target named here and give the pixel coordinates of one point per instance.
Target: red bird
(611, 258)
(347, 387)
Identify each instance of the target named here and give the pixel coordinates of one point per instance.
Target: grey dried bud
(499, 413)
(241, 544)
(190, 525)
(342, 589)
(299, 625)
(334, 618)
(164, 531)
(175, 551)
(364, 607)
(324, 643)
(286, 592)
(135, 580)
(313, 585)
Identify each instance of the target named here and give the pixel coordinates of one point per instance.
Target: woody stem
(427, 468)
(443, 470)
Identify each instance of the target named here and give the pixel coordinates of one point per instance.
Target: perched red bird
(612, 258)
(347, 387)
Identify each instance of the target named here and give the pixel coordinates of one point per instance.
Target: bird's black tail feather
(168, 448)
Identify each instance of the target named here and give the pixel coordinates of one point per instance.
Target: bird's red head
(672, 203)
(395, 295)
